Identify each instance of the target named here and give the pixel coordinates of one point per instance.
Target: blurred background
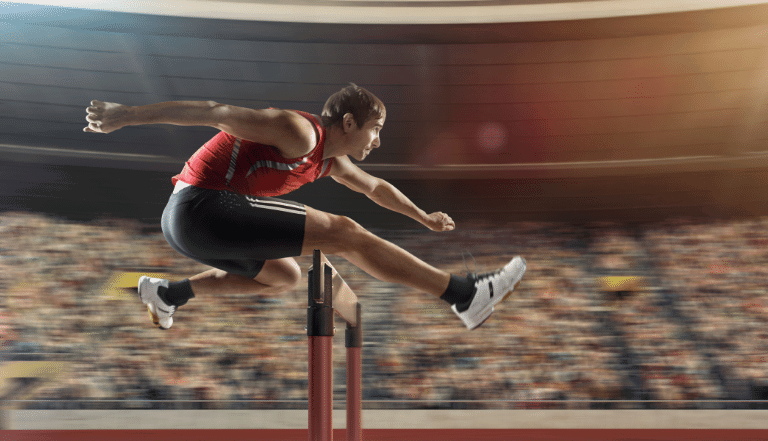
(619, 146)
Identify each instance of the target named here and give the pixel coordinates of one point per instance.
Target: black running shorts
(233, 232)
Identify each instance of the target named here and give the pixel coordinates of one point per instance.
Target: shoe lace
(474, 275)
(464, 260)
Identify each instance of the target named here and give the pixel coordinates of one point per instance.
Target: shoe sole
(155, 318)
(514, 287)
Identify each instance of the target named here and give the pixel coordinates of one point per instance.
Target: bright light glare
(369, 13)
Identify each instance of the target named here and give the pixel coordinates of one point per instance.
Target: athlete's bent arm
(385, 194)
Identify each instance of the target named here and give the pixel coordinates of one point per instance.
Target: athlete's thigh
(330, 233)
(235, 233)
(229, 226)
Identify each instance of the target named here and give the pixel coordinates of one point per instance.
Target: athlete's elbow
(218, 108)
(220, 114)
(378, 189)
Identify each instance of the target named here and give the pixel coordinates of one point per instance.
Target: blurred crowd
(691, 333)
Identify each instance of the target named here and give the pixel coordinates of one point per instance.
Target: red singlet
(253, 169)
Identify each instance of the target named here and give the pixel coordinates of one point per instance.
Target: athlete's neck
(335, 144)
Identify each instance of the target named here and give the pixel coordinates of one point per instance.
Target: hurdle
(328, 293)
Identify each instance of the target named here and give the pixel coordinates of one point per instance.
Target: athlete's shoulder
(301, 133)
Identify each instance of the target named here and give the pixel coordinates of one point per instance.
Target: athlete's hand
(439, 221)
(105, 117)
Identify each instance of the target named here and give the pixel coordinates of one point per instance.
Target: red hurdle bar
(325, 285)
(354, 342)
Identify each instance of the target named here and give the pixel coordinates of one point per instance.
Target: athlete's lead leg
(472, 298)
(341, 236)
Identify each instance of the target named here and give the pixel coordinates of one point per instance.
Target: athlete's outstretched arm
(275, 127)
(385, 194)
(104, 117)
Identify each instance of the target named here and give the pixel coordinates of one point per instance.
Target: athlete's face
(366, 138)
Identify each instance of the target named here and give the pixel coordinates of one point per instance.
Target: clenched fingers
(94, 117)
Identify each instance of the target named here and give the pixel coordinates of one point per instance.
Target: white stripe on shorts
(276, 206)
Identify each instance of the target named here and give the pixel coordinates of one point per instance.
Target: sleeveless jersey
(229, 163)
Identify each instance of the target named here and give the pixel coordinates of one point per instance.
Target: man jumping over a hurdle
(223, 211)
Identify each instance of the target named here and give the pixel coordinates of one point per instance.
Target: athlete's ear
(348, 122)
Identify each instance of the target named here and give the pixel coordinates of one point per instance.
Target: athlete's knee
(292, 276)
(331, 233)
(347, 233)
(283, 274)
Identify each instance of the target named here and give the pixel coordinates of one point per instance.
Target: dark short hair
(362, 104)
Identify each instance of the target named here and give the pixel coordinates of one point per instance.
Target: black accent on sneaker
(460, 289)
(465, 303)
(463, 306)
(474, 279)
(177, 294)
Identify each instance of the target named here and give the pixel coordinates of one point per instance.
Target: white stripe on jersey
(233, 160)
(325, 166)
(276, 165)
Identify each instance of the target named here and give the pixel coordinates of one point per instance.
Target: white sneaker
(490, 289)
(160, 312)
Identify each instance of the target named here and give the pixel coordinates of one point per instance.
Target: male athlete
(223, 211)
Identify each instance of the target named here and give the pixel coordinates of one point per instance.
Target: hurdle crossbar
(329, 294)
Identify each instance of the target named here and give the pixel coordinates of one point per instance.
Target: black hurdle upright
(328, 293)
